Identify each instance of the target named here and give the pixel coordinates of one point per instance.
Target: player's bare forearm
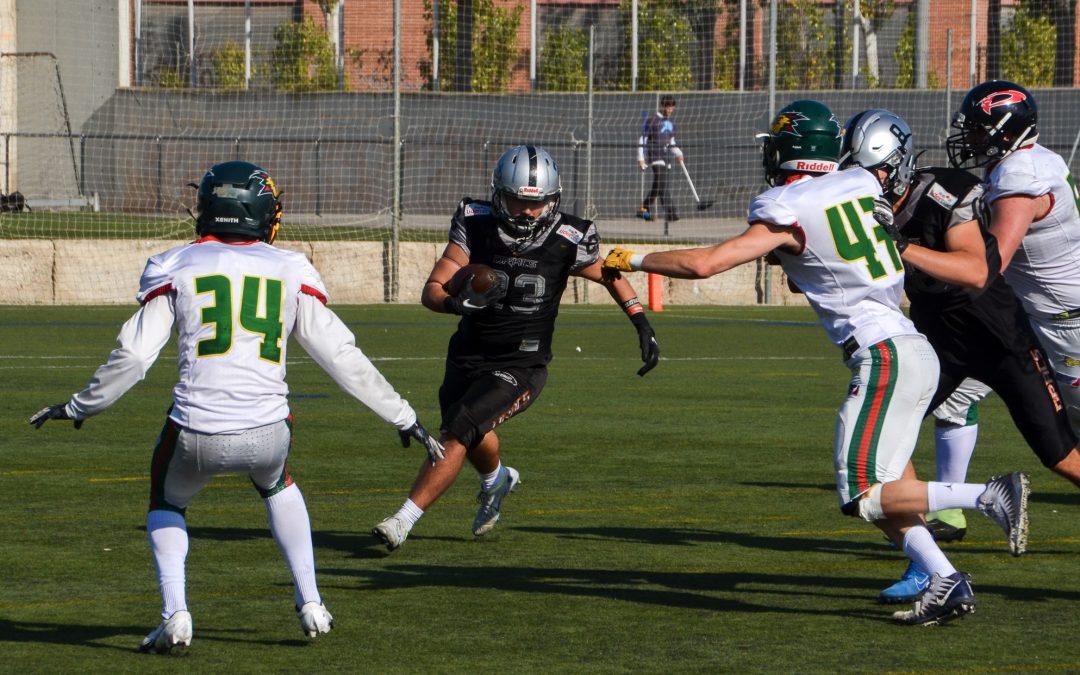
(620, 290)
(434, 294)
(691, 263)
(702, 263)
(616, 285)
(960, 269)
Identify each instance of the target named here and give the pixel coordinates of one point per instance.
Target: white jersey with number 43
(235, 306)
(848, 267)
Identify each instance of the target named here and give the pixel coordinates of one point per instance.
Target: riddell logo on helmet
(814, 165)
(530, 191)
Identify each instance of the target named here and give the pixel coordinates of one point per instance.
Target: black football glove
(471, 301)
(883, 214)
(650, 350)
(53, 412)
(431, 444)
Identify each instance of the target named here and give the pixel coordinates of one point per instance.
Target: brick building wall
(369, 27)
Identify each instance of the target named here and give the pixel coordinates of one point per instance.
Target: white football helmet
(528, 173)
(879, 139)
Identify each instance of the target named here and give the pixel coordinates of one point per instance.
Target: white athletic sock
(954, 446)
(941, 496)
(168, 538)
(487, 480)
(409, 512)
(920, 547)
(291, 528)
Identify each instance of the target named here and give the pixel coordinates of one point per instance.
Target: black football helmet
(995, 118)
(238, 198)
(803, 138)
(528, 173)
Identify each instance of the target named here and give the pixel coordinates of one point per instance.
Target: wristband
(632, 306)
(449, 305)
(636, 261)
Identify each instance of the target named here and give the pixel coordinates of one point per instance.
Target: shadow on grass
(68, 634)
(94, 636)
(1063, 499)
(363, 546)
(822, 487)
(875, 548)
(746, 592)
(743, 592)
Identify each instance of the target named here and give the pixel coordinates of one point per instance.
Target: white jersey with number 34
(235, 307)
(849, 268)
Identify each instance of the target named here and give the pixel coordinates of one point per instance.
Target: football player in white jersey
(963, 305)
(234, 300)
(1033, 209)
(823, 231)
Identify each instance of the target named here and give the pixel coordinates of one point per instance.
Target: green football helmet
(238, 198)
(803, 138)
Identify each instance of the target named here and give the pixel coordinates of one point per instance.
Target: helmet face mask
(994, 119)
(879, 139)
(803, 138)
(525, 174)
(238, 198)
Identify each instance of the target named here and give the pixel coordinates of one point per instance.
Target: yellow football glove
(618, 259)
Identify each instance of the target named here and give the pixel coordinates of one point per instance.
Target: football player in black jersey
(496, 363)
(959, 300)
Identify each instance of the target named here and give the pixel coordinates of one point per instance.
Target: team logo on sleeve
(571, 233)
(475, 209)
(941, 196)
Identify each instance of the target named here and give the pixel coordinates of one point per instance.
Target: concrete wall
(334, 152)
(85, 37)
(103, 272)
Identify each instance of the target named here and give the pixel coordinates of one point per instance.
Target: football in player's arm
(496, 363)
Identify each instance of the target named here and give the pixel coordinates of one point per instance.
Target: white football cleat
(392, 532)
(173, 636)
(314, 619)
(491, 500)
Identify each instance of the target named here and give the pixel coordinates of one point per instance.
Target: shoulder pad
(579, 224)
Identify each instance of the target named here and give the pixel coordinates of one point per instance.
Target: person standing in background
(656, 149)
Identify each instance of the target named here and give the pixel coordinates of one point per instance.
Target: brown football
(483, 278)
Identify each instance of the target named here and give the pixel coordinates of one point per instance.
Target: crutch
(700, 204)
